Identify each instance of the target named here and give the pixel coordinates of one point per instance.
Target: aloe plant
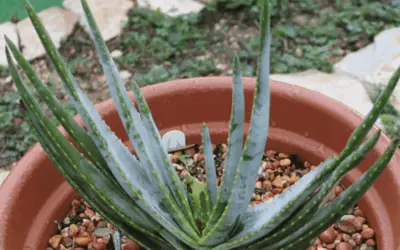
(142, 194)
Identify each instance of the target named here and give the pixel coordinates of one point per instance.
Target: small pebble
(347, 217)
(99, 245)
(82, 241)
(358, 212)
(89, 213)
(367, 233)
(346, 237)
(267, 185)
(55, 241)
(282, 155)
(370, 242)
(73, 230)
(116, 53)
(328, 236)
(185, 173)
(67, 241)
(357, 238)
(330, 246)
(285, 162)
(344, 246)
(347, 227)
(67, 221)
(352, 243)
(189, 151)
(198, 157)
(358, 223)
(277, 182)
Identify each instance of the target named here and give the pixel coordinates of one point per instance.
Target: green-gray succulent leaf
(254, 147)
(135, 180)
(344, 167)
(235, 142)
(93, 185)
(146, 142)
(199, 200)
(80, 136)
(169, 175)
(210, 167)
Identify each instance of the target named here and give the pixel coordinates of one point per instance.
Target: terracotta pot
(302, 122)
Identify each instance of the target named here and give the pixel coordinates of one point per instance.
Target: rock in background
(339, 87)
(109, 15)
(10, 30)
(375, 63)
(172, 7)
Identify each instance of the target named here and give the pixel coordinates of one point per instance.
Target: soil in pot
(84, 229)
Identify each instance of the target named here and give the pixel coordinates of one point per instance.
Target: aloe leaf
(135, 180)
(302, 216)
(109, 211)
(380, 103)
(82, 175)
(331, 212)
(373, 92)
(210, 167)
(254, 147)
(305, 245)
(147, 143)
(199, 201)
(177, 245)
(123, 216)
(262, 219)
(205, 207)
(348, 164)
(172, 180)
(80, 136)
(362, 130)
(129, 115)
(235, 143)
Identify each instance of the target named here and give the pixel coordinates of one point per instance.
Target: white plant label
(173, 139)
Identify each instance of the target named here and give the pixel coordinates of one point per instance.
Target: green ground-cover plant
(142, 194)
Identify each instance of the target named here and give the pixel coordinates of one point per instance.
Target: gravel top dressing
(84, 229)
